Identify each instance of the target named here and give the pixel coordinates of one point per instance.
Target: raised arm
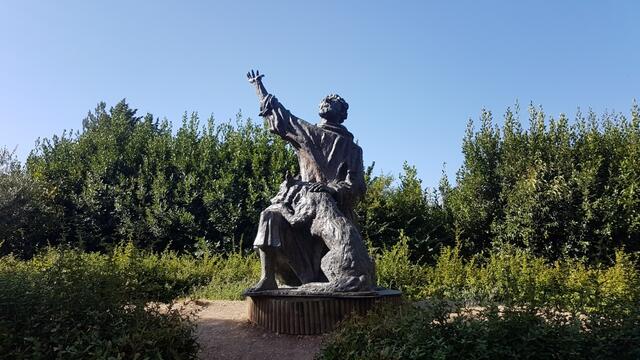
(281, 121)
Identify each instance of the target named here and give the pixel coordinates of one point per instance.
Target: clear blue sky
(413, 72)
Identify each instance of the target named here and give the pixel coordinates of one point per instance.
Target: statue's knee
(271, 212)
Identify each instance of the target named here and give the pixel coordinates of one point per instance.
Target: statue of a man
(307, 237)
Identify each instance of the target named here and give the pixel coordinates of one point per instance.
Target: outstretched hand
(254, 76)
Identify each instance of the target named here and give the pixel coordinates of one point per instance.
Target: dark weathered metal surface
(309, 315)
(307, 237)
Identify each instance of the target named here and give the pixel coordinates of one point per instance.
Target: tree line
(556, 188)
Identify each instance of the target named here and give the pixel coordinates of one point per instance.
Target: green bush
(76, 305)
(559, 189)
(72, 305)
(395, 270)
(513, 277)
(517, 278)
(389, 212)
(133, 178)
(232, 275)
(556, 188)
(168, 275)
(23, 203)
(432, 332)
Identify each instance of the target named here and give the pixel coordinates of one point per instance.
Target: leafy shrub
(389, 212)
(168, 275)
(232, 275)
(126, 177)
(432, 332)
(557, 188)
(161, 276)
(67, 304)
(77, 305)
(514, 277)
(395, 270)
(520, 279)
(27, 219)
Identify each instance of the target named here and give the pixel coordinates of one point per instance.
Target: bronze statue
(307, 237)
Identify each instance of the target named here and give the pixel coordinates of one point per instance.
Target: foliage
(232, 275)
(513, 277)
(508, 304)
(76, 305)
(433, 332)
(169, 275)
(395, 270)
(27, 219)
(556, 189)
(73, 305)
(407, 211)
(94, 297)
(543, 221)
(129, 178)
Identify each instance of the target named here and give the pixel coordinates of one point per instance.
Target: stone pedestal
(287, 311)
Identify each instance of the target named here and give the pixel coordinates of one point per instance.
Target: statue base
(288, 311)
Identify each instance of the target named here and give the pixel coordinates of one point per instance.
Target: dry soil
(224, 332)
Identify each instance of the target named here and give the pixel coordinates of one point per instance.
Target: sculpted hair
(335, 98)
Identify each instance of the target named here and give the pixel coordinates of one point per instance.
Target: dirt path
(225, 333)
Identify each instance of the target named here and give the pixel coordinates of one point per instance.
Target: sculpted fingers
(320, 187)
(254, 75)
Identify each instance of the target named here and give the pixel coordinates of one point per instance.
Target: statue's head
(333, 109)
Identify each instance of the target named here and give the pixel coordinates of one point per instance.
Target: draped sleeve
(284, 124)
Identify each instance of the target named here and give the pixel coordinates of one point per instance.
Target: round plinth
(286, 312)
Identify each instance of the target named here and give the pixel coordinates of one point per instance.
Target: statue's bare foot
(265, 284)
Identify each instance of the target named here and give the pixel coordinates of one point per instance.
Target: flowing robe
(326, 154)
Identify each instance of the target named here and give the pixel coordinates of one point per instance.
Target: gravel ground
(225, 333)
